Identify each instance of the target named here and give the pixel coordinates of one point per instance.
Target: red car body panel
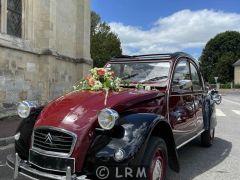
(77, 112)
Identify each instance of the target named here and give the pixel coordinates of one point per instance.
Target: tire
(156, 159)
(207, 137)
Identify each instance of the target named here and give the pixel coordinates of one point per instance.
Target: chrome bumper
(22, 167)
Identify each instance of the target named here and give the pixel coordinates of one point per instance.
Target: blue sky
(149, 26)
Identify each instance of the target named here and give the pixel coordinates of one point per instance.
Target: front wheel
(207, 137)
(156, 159)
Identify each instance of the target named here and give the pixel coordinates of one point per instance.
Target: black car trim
(50, 156)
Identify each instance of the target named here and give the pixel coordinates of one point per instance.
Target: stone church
(44, 48)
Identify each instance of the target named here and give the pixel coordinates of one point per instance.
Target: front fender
(22, 145)
(136, 131)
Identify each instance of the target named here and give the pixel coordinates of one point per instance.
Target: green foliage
(225, 86)
(105, 44)
(219, 55)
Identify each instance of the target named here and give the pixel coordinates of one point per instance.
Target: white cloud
(181, 30)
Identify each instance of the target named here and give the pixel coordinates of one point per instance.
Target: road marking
(236, 111)
(220, 113)
(231, 101)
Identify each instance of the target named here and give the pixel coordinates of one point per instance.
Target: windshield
(142, 72)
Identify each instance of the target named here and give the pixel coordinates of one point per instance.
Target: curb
(6, 141)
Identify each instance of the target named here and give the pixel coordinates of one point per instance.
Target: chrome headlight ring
(107, 118)
(24, 108)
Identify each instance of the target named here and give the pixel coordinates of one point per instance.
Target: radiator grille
(53, 140)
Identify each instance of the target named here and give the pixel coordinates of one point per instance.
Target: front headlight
(107, 118)
(24, 108)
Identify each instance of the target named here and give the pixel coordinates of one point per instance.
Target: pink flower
(90, 81)
(101, 72)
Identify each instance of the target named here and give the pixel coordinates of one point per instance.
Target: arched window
(14, 18)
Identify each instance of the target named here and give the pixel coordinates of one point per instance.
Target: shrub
(225, 86)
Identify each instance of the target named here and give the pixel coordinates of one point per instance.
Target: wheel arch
(209, 113)
(163, 130)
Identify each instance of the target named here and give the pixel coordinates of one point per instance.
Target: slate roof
(237, 63)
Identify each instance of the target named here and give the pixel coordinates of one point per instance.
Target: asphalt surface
(9, 126)
(220, 162)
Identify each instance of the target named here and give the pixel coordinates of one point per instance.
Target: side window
(181, 77)
(197, 85)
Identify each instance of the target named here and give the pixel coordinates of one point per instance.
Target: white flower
(148, 88)
(97, 86)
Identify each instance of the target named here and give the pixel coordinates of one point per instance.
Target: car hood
(76, 110)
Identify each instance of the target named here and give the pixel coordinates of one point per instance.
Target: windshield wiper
(155, 79)
(129, 76)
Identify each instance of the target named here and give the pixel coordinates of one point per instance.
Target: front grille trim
(48, 169)
(47, 152)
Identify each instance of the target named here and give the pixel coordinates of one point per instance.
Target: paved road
(220, 162)
(9, 126)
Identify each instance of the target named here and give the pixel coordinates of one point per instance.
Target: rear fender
(209, 113)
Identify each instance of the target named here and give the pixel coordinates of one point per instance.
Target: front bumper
(23, 167)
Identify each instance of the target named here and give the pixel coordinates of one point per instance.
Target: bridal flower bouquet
(99, 79)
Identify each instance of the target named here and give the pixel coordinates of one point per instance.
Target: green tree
(105, 44)
(219, 55)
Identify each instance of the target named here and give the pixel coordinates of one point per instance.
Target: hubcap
(157, 171)
(158, 166)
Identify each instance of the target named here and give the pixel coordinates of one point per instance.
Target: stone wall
(52, 55)
(237, 75)
(62, 26)
(36, 77)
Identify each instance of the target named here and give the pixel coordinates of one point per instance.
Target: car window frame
(173, 73)
(191, 62)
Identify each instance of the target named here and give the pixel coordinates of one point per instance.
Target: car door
(198, 95)
(181, 103)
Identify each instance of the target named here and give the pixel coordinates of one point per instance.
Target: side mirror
(217, 98)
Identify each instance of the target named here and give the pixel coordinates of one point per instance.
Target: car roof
(146, 57)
